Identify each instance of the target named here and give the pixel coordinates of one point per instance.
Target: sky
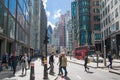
(54, 8)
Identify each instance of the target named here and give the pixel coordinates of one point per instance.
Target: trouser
(65, 70)
(14, 69)
(86, 67)
(24, 68)
(60, 70)
(110, 65)
(51, 68)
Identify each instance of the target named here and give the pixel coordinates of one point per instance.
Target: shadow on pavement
(90, 72)
(22, 75)
(67, 78)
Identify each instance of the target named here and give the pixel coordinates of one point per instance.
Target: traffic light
(46, 41)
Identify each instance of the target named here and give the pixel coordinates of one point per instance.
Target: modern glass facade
(14, 25)
(84, 22)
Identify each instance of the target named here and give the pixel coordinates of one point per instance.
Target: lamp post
(104, 48)
(45, 57)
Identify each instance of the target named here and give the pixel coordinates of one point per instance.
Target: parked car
(93, 58)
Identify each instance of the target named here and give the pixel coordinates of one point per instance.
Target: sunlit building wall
(14, 26)
(110, 25)
(39, 25)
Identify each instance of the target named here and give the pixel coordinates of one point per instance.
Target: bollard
(32, 74)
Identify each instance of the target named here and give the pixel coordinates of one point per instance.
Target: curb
(111, 71)
(114, 72)
(83, 65)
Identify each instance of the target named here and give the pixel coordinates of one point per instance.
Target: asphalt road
(77, 72)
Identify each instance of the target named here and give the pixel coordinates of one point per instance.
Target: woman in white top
(24, 62)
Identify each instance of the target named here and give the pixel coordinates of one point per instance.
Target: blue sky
(54, 8)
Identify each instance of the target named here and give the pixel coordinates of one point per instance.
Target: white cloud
(57, 14)
(44, 3)
(52, 25)
(47, 13)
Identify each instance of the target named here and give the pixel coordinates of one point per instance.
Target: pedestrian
(110, 59)
(60, 67)
(5, 61)
(64, 64)
(42, 59)
(29, 60)
(24, 63)
(51, 62)
(14, 60)
(86, 62)
(10, 61)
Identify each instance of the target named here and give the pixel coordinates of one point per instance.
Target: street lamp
(104, 48)
(45, 57)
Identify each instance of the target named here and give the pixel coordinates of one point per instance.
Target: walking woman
(24, 62)
(64, 64)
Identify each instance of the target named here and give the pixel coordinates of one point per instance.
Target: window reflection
(11, 27)
(6, 3)
(12, 7)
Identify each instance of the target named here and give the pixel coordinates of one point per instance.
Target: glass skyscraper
(14, 26)
(83, 22)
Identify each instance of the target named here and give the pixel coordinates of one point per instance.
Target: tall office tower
(95, 24)
(39, 25)
(74, 23)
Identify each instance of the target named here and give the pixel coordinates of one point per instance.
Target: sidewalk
(116, 64)
(38, 72)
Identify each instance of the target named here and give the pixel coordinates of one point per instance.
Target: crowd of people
(11, 61)
(62, 63)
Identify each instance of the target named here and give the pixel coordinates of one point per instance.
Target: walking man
(51, 62)
(60, 62)
(14, 60)
(110, 60)
(85, 64)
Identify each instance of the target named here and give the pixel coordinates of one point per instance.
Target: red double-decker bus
(81, 51)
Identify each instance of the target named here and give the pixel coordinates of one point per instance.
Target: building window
(96, 3)
(96, 10)
(97, 36)
(96, 18)
(11, 27)
(116, 1)
(117, 25)
(108, 19)
(12, 7)
(111, 4)
(116, 12)
(97, 27)
(6, 3)
(108, 8)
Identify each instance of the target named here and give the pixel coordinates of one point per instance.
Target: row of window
(111, 29)
(112, 2)
(110, 18)
(7, 21)
(107, 10)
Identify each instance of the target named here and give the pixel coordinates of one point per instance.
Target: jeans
(65, 70)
